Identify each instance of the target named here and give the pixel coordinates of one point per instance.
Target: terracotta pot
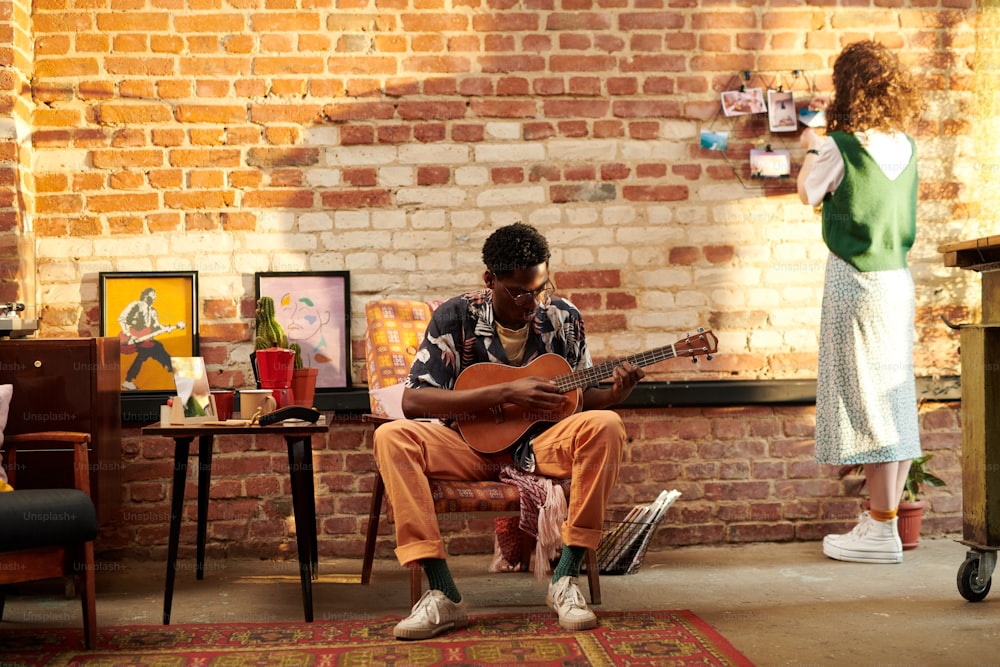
(304, 386)
(910, 517)
(275, 365)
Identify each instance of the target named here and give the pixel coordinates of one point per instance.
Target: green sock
(569, 562)
(439, 578)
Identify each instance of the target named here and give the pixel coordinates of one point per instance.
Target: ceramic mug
(253, 401)
(223, 403)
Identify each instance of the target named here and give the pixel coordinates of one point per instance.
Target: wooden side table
(298, 438)
(980, 345)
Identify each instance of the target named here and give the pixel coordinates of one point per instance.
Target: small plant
(269, 332)
(917, 477)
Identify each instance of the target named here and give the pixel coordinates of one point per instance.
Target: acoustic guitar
(493, 430)
(129, 343)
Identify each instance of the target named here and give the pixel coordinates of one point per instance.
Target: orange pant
(585, 447)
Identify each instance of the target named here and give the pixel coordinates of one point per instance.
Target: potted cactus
(274, 358)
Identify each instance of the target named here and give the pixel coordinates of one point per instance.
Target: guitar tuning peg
(701, 329)
(709, 357)
(694, 360)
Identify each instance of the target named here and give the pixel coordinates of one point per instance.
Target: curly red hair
(872, 91)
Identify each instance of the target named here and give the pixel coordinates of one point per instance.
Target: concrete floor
(780, 604)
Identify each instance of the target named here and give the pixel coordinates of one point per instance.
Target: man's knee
(610, 430)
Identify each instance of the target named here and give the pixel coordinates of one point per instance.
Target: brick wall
(745, 474)
(388, 138)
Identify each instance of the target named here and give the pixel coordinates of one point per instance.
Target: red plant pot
(274, 366)
(910, 517)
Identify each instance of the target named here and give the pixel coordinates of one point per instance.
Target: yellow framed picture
(155, 316)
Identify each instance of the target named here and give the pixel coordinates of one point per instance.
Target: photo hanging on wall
(766, 163)
(742, 102)
(155, 316)
(781, 111)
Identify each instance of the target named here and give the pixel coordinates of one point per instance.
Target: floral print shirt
(461, 333)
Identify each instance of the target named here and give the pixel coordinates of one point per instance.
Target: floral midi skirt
(866, 399)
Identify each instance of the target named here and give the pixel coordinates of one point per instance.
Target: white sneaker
(433, 614)
(870, 541)
(128, 384)
(567, 600)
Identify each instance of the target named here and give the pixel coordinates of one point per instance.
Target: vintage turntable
(12, 325)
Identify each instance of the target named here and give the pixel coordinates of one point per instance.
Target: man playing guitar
(512, 322)
(140, 324)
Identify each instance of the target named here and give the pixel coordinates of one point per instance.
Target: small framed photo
(743, 102)
(765, 163)
(155, 316)
(781, 111)
(714, 141)
(314, 308)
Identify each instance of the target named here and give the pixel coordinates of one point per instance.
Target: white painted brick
(65, 160)
(472, 176)
(659, 215)
(327, 261)
(275, 221)
(349, 220)
(548, 217)
(673, 320)
(252, 262)
(355, 156)
(802, 340)
(64, 248)
(665, 277)
(732, 341)
(395, 219)
(574, 237)
(583, 150)
(614, 256)
(582, 216)
(193, 243)
(655, 151)
(435, 261)
(315, 222)
(321, 135)
(766, 340)
(690, 298)
(289, 262)
(679, 130)
(759, 297)
(789, 252)
(210, 264)
(421, 240)
(433, 154)
(516, 153)
(508, 197)
(619, 215)
(359, 261)
(392, 177)
(141, 246)
(647, 236)
(347, 241)
(323, 178)
(429, 219)
(438, 197)
(726, 276)
(577, 257)
(399, 261)
(727, 297)
(467, 219)
(503, 130)
(656, 300)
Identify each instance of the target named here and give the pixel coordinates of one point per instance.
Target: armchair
(394, 332)
(49, 533)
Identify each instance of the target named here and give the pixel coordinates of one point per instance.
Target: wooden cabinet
(67, 384)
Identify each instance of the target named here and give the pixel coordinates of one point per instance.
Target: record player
(12, 325)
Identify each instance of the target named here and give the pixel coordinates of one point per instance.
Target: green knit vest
(870, 220)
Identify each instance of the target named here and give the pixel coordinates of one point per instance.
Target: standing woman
(864, 174)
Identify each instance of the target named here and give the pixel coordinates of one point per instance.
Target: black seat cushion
(32, 518)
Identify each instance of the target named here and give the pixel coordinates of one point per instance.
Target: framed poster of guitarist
(155, 316)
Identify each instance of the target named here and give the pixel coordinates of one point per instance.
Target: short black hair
(516, 246)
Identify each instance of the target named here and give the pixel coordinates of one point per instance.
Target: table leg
(204, 482)
(304, 508)
(182, 447)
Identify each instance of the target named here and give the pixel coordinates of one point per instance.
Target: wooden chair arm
(42, 440)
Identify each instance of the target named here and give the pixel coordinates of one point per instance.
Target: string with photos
(752, 130)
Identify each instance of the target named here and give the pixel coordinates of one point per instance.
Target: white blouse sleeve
(826, 174)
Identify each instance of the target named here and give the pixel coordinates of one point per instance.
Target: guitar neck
(587, 376)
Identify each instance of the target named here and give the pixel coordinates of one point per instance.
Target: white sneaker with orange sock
(870, 541)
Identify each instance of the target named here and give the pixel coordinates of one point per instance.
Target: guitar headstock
(702, 343)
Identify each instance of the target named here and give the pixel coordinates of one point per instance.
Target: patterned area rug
(622, 638)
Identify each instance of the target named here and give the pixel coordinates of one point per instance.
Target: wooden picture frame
(155, 316)
(314, 307)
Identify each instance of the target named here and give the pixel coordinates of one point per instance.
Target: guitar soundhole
(497, 411)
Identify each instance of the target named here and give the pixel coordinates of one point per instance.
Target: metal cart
(980, 346)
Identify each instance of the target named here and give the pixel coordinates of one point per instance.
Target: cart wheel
(967, 585)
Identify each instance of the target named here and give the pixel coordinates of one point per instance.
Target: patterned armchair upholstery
(394, 332)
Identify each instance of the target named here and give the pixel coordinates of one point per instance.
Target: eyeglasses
(542, 295)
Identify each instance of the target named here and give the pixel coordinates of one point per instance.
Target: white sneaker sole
(427, 633)
(882, 557)
(573, 626)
